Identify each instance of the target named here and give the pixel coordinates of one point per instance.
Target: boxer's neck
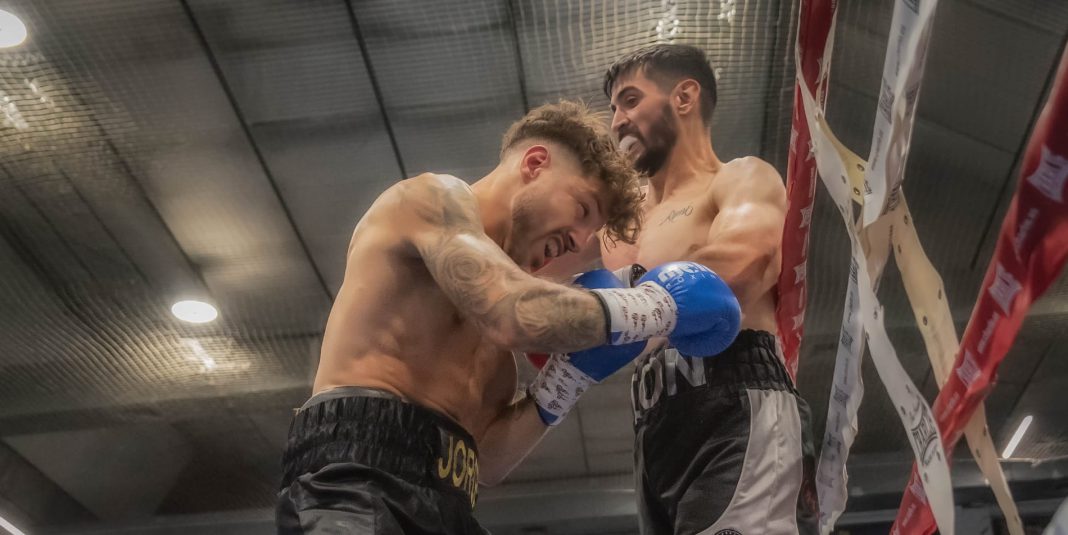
(692, 159)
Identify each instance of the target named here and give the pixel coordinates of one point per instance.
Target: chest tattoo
(675, 214)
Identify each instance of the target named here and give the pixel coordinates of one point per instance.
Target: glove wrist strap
(639, 313)
(557, 388)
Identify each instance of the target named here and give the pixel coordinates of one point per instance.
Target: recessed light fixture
(12, 30)
(1015, 441)
(194, 311)
(10, 528)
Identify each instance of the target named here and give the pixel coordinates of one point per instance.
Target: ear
(686, 96)
(535, 160)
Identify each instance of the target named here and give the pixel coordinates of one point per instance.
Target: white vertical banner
(884, 225)
(899, 91)
(912, 408)
(847, 389)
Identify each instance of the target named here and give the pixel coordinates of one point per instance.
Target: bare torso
(677, 227)
(392, 328)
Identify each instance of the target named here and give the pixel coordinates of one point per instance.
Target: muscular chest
(671, 231)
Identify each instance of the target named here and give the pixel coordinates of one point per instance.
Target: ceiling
(152, 150)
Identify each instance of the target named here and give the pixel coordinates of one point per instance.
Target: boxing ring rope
(884, 226)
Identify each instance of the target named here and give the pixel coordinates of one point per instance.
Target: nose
(619, 119)
(579, 240)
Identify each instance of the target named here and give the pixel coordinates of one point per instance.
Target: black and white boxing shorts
(362, 461)
(723, 445)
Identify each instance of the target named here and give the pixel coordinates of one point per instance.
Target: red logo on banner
(1031, 251)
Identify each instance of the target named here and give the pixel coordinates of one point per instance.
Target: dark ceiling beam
(126, 256)
(1040, 104)
(27, 492)
(135, 185)
(520, 71)
(773, 91)
(232, 100)
(369, 65)
(1031, 376)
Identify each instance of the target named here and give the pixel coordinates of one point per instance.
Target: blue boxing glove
(564, 378)
(684, 301)
(708, 312)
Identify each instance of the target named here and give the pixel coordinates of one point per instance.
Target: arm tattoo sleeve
(509, 305)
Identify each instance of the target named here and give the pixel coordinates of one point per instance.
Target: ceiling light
(201, 354)
(10, 528)
(1016, 437)
(12, 30)
(194, 311)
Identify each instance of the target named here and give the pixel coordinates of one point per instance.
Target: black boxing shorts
(723, 445)
(362, 461)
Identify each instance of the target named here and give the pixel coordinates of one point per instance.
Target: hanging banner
(912, 408)
(906, 54)
(847, 389)
(930, 306)
(814, 44)
(1030, 253)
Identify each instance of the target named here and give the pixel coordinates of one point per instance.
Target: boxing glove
(564, 378)
(709, 315)
(684, 301)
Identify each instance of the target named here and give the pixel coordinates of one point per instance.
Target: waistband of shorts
(379, 430)
(751, 361)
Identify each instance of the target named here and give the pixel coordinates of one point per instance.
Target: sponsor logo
(458, 466)
(658, 375)
(988, 331)
(924, 435)
(969, 370)
(1024, 230)
(1004, 288)
(1051, 175)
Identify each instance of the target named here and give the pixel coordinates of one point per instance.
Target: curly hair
(586, 135)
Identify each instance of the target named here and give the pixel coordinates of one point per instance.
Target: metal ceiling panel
(298, 78)
(449, 80)
(181, 138)
(105, 469)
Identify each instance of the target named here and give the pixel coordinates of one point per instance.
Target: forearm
(510, 307)
(544, 317)
(745, 270)
(509, 439)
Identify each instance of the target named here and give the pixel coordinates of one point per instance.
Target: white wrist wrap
(639, 313)
(558, 386)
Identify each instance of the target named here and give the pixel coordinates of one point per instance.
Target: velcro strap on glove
(637, 314)
(557, 388)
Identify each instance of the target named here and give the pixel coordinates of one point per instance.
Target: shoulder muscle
(748, 180)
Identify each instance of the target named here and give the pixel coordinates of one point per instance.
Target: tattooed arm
(512, 308)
